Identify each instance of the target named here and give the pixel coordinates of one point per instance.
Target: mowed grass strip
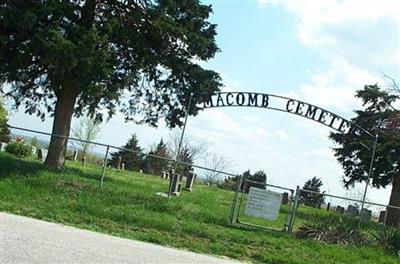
(127, 206)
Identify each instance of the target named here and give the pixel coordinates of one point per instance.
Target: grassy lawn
(128, 207)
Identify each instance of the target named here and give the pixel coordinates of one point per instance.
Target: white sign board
(263, 203)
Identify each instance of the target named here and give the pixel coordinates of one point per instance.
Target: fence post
(294, 209)
(180, 142)
(104, 166)
(369, 178)
(289, 214)
(235, 198)
(384, 219)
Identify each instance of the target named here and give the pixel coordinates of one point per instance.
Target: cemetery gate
(263, 200)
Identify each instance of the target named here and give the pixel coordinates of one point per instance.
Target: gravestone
(3, 146)
(34, 150)
(366, 215)
(75, 155)
(339, 209)
(382, 215)
(83, 161)
(328, 206)
(285, 198)
(189, 182)
(164, 175)
(352, 210)
(173, 183)
(122, 166)
(119, 162)
(42, 154)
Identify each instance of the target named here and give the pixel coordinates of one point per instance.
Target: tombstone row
(174, 182)
(352, 210)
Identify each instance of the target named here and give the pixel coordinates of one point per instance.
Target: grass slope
(128, 207)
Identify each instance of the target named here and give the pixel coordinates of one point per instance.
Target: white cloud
(335, 88)
(358, 39)
(315, 16)
(264, 3)
(281, 134)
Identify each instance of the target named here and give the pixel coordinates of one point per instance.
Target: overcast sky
(316, 51)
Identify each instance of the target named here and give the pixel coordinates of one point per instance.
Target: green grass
(128, 207)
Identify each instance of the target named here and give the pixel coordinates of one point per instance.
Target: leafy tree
(258, 180)
(131, 155)
(376, 117)
(85, 56)
(229, 183)
(86, 130)
(156, 165)
(4, 130)
(312, 199)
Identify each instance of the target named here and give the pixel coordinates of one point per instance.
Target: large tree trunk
(393, 216)
(61, 127)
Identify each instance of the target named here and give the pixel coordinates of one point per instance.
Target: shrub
(332, 231)
(19, 149)
(388, 238)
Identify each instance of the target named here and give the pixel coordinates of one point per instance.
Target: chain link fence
(104, 162)
(108, 164)
(343, 212)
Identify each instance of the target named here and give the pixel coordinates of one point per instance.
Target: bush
(332, 231)
(388, 238)
(19, 149)
(228, 184)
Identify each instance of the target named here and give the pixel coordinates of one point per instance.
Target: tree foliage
(354, 150)
(131, 155)
(258, 180)
(186, 156)
(95, 56)
(4, 130)
(312, 199)
(155, 165)
(197, 148)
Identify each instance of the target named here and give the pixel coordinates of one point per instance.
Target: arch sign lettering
(283, 104)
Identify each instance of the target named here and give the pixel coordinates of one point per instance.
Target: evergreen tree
(156, 165)
(258, 180)
(82, 56)
(131, 155)
(312, 199)
(184, 156)
(378, 117)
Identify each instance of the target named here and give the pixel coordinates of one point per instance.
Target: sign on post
(263, 203)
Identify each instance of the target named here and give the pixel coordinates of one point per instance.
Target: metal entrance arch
(198, 102)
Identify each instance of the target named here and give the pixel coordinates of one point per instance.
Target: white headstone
(3, 146)
(42, 154)
(33, 151)
(263, 203)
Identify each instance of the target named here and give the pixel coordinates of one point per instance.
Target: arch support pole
(174, 175)
(371, 166)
